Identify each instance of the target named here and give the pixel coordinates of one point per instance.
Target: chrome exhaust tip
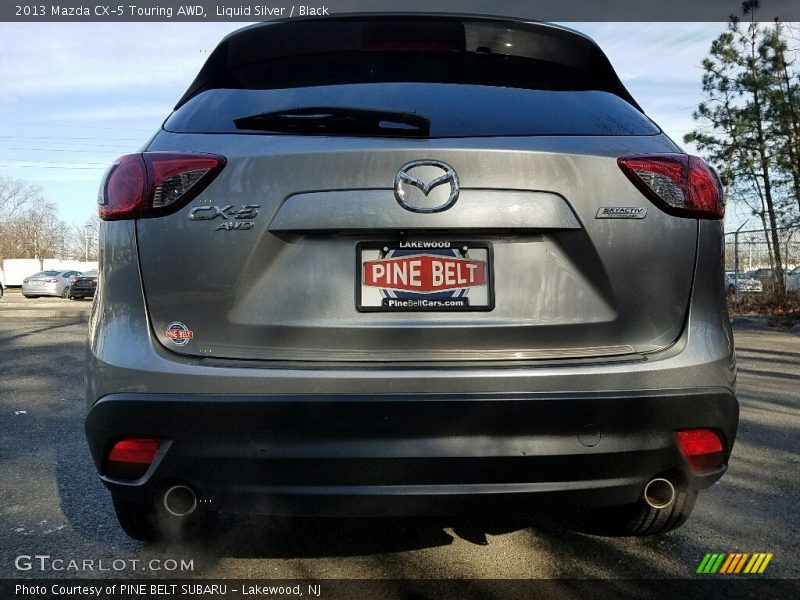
(659, 493)
(180, 500)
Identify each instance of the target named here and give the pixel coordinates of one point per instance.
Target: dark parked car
(766, 277)
(763, 275)
(403, 266)
(83, 286)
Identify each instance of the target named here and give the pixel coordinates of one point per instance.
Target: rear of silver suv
(405, 266)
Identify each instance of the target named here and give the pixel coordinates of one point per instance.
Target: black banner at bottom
(335, 589)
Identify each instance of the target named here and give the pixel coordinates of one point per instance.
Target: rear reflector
(130, 458)
(702, 448)
(681, 185)
(152, 184)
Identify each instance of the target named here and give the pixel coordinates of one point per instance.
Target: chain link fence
(750, 266)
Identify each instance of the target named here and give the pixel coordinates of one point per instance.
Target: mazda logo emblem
(426, 186)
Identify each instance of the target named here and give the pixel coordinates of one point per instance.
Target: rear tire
(639, 519)
(65, 293)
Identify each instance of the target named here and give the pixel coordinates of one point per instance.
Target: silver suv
(409, 265)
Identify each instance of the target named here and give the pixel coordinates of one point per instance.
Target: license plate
(428, 275)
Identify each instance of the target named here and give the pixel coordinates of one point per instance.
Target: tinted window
(384, 49)
(454, 110)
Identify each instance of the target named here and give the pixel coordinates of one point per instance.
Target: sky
(75, 96)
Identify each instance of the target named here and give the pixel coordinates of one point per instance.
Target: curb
(742, 322)
(27, 313)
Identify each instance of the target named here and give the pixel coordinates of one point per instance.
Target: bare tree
(15, 194)
(84, 239)
(35, 231)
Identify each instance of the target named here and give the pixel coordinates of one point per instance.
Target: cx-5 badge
(240, 217)
(426, 186)
(211, 212)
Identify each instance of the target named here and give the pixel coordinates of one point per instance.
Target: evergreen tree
(748, 121)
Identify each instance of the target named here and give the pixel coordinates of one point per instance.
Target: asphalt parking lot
(51, 502)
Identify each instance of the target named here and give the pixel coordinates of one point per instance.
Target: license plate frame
(444, 300)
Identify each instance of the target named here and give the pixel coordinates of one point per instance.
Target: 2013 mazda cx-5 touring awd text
(409, 265)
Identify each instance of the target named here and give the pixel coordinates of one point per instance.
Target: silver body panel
(125, 355)
(567, 285)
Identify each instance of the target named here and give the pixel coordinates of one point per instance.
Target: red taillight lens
(152, 184)
(681, 185)
(73, 281)
(702, 448)
(130, 458)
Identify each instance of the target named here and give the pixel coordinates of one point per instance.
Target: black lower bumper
(410, 455)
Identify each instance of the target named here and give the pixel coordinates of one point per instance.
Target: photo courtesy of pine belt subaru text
(409, 265)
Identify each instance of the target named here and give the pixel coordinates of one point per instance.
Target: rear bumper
(50, 289)
(410, 454)
(82, 292)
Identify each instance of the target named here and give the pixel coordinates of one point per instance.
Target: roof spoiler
(277, 43)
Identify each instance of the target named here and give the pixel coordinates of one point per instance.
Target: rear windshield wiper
(332, 120)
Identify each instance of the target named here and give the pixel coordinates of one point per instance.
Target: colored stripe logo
(734, 563)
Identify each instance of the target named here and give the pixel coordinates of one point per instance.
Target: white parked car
(746, 284)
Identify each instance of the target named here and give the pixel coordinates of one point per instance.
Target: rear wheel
(639, 519)
(65, 293)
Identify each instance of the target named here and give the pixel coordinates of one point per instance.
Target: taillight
(73, 281)
(130, 458)
(702, 448)
(151, 184)
(681, 185)
(25, 280)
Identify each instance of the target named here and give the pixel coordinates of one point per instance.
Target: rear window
(46, 274)
(454, 110)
